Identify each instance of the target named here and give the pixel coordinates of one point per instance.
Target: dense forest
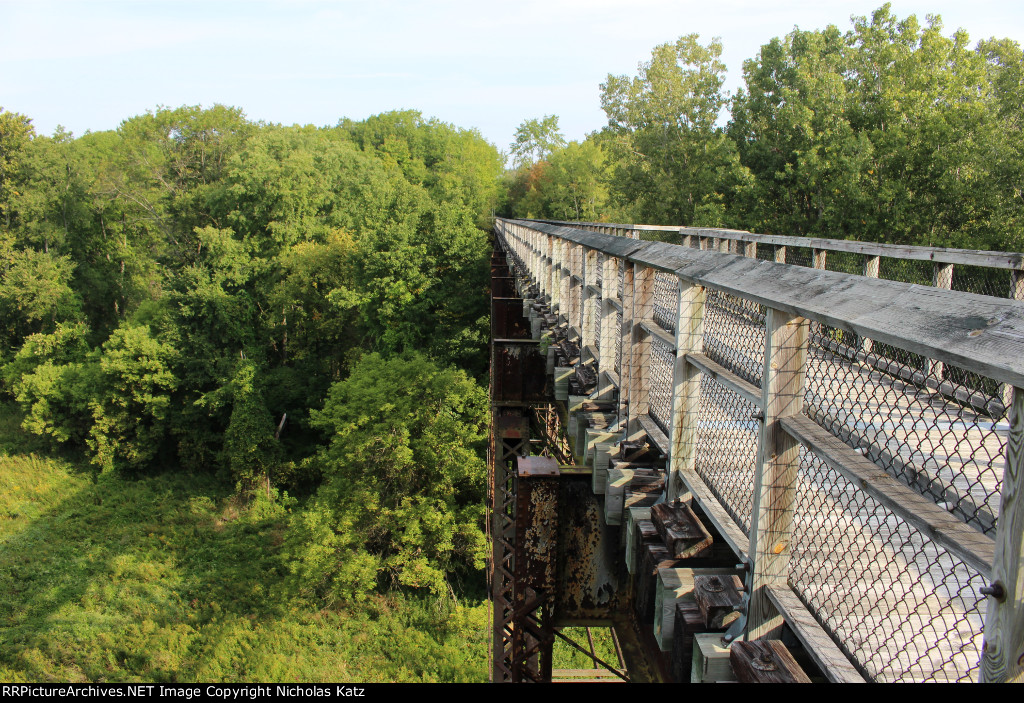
(296, 314)
(243, 366)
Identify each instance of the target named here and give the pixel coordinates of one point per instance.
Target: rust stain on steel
(588, 564)
(536, 532)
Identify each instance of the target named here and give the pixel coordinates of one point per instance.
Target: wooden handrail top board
(655, 433)
(976, 332)
(945, 255)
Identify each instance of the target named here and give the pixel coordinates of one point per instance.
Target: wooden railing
(995, 273)
(877, 502)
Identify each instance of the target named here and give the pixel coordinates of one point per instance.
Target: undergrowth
(168, 579)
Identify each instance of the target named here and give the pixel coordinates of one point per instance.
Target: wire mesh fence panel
(899, 605)
(666, 287)
(800, 256)
(659, 235)
(942, 439)
(727, 447)
(766, 252)
(599, 272)
(982, 280)
(659, 369)
(906, 270)
(734, 334)
(596, 308)
(845, 262)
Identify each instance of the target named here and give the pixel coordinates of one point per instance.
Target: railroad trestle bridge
(755, 457)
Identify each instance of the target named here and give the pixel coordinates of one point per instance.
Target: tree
(403, 481)
(16, 132)
(671, 159)
(571, 185)
(131, 400)
(535, 140)
(252, 452)
(890, 132)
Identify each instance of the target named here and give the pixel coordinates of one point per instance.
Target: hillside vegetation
(245, 428)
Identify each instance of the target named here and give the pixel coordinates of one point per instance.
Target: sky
(489, 65)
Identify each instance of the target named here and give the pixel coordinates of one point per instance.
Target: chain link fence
(734, 334)
(901, 607)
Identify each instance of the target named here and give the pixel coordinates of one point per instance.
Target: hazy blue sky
(489, 65)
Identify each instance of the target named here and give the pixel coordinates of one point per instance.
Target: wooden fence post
(638, 344)
(610, 336)
(685, 386)
(776, 466)
(819, 256)
(591, 302)
(549, 272)
(942, 277)
(1003, 653)
(872, 265)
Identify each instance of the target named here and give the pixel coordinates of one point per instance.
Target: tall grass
(167, 578)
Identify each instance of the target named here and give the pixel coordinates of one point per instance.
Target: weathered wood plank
(653, 556)
(776, 466)
(710, 659)
(818, 645)
(719, 517)
(1003, 658)
(653, 432)
(686, 622)
(973, 547)
(683, 534)
(718, 598)
(666, 337)
(612, 377)
(766, 661)
(675, 585)
(748, 391)
(634, 533)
